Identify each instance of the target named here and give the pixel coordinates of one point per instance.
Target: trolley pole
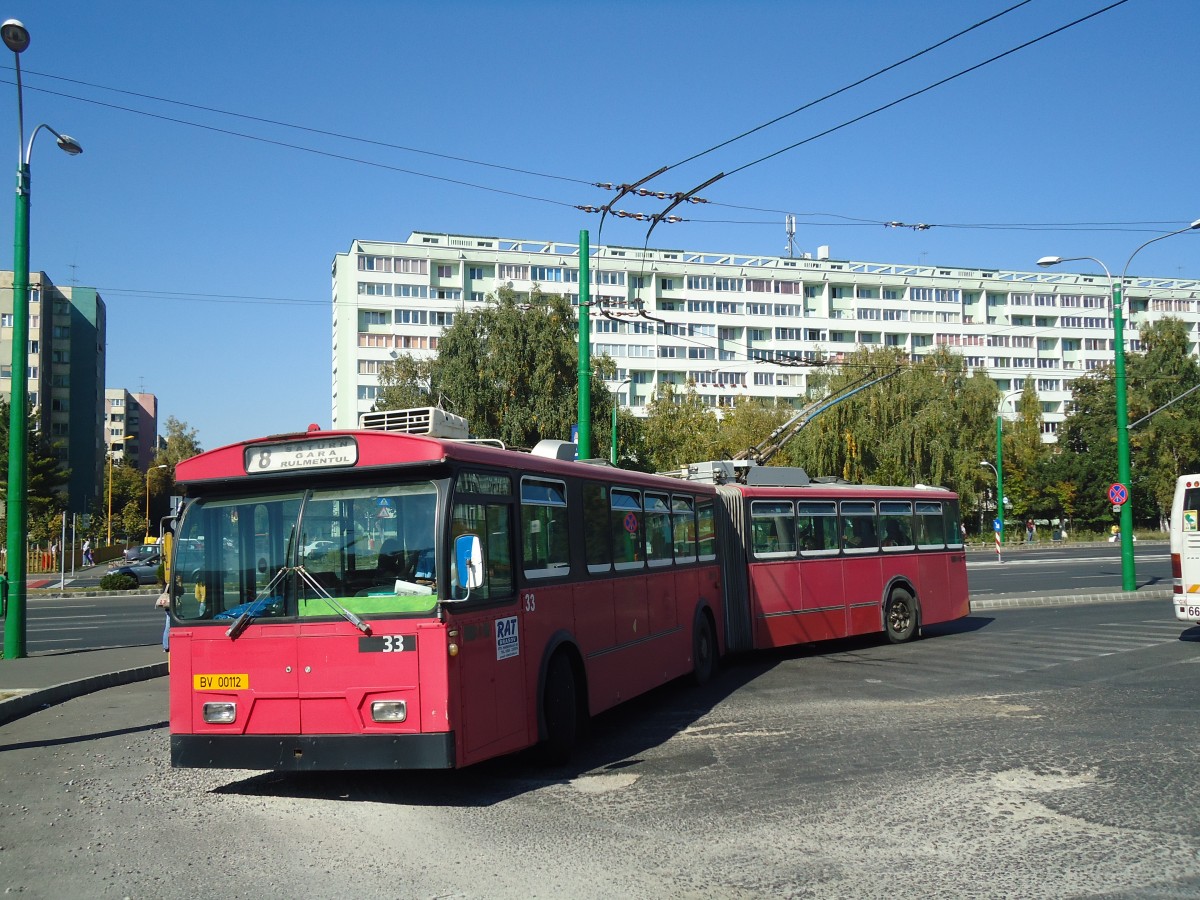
(584, 426)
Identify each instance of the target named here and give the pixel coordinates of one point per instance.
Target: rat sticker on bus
(508, 643)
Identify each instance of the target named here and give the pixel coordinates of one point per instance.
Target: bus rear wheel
(560, 711)
(704, 650)
(900, 617)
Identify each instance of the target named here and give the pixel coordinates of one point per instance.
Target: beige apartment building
(735, 324)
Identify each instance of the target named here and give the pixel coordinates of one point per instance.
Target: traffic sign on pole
(1118, 494)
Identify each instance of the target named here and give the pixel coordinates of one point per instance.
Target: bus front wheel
(560, 711)
(900, 617)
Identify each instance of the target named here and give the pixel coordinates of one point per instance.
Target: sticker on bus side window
(508, 642)
(1189, 520)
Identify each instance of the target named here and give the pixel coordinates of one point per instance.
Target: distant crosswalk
(991, 654)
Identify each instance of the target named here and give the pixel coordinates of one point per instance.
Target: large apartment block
(131, 427)
(735, 324)
(65, 380)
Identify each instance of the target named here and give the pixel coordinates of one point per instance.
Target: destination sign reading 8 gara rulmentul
(323, 453)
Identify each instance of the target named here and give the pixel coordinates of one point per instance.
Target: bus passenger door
(492, 659)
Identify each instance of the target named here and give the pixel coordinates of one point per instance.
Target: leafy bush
(118, 582)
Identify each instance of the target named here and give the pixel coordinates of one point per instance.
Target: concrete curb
(31, 701)
(1020, 601)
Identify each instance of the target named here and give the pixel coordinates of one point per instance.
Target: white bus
(1185, 548)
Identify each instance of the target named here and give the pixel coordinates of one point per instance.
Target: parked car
(143, 554)
(145, 573)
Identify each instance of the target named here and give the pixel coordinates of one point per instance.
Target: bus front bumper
(313, 753)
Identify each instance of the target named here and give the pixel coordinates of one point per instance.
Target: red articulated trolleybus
(381, 599)
(372, 600)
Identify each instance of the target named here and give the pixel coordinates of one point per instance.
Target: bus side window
(490, 523)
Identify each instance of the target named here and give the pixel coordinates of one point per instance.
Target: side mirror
(468, 562)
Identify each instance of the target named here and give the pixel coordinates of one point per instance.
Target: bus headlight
(222, 713)
(389, 711)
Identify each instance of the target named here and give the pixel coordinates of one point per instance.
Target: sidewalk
(44, 679)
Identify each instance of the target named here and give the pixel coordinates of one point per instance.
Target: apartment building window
(862, 292)
(374, 289)
(724, 307)
(416, 291)
(476, 296)
(368, 391)
(947, 295)
(670, 352)
(869, 313)
(374, 263)
(546, 274)
(812, 292)
(1095, 302)
(445, 271)
(788, 334)
(403, 266)
(890, 294)
(814, 334)
(759, 334)
(1020, 299)
(666, 284)
(1048, 384)
(441, 319)
(701, 353)
(895, 315)
(1095, 323)
(6, 320)
(608, 277)
(1023, 362)
(995, 299)
(702, 330)
(701, 306)
(840, 292)
(375, 317)
(729, 334)
(608, 326)
(475, 273)
(758, 285)
(701, 283)
(510, 272)
(789, 287)
(62, 332)
(1070, 301)
(1044, 300)
(791, 310)
(758, 309)
(917, 293)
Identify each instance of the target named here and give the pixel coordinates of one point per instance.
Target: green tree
(181, 443)
(405, 383)
(1167, 444)
(679, 429)
(930, 423)
(748, 424)
(45, 478)
(510, 369)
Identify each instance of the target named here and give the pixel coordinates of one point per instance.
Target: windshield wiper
(255, 606)
(328, 598)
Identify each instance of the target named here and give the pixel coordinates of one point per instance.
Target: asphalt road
(80, 623)
(1032, 753)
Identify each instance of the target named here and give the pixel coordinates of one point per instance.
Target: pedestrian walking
(87, 552)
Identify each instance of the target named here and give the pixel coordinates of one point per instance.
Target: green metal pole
(613, 456)
(1128, 573)
(14, 622)
(1000, 472)
(584, 440)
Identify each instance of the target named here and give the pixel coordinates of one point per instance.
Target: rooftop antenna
(790, 224)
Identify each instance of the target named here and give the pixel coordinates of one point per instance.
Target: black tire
(704, 650)
(900, 617)
(560, 711)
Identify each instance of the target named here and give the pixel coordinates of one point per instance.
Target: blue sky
(213, 250)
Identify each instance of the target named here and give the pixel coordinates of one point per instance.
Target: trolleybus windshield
(362, 550)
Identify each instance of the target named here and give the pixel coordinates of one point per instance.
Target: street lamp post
(616, 397)
(16, 38)
(148, 471)
(128, 437)
(999, 529)
(1124, 469)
